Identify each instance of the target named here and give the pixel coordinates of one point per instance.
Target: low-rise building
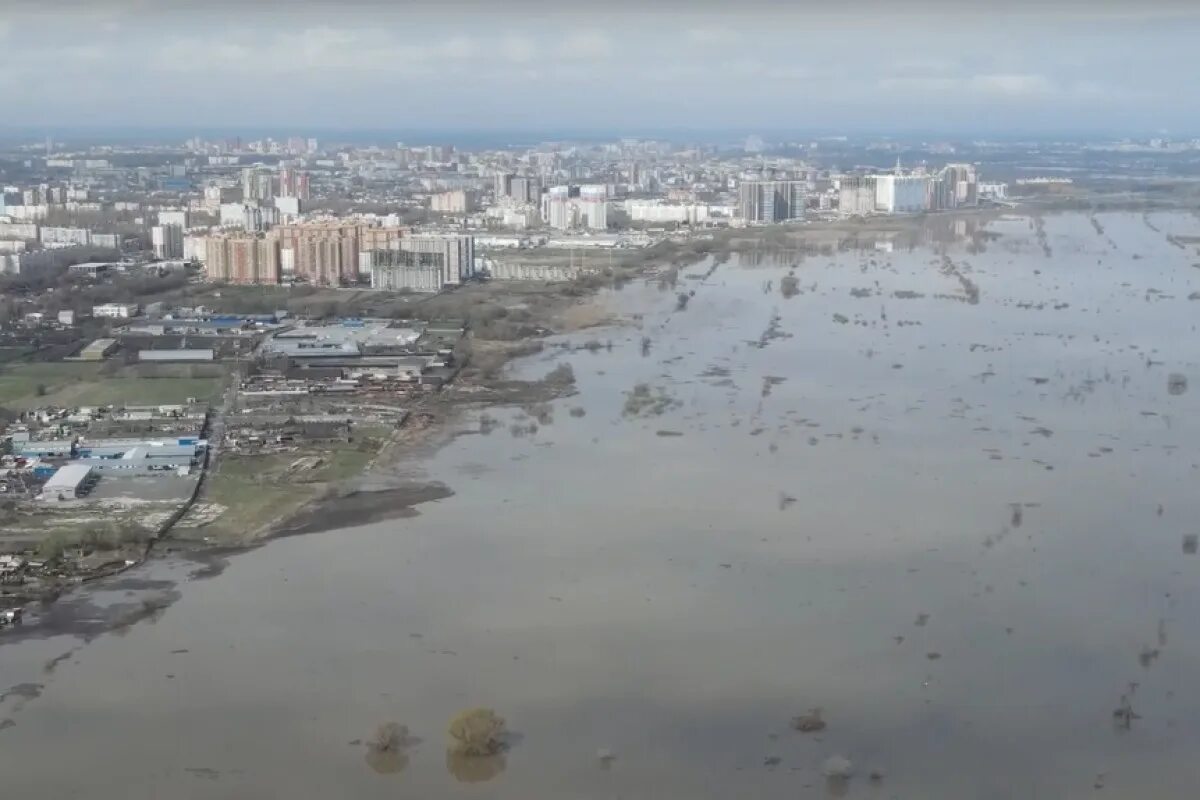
(111, 241)
(91, 269)
(69, 482)
(116, 310)
(190, 354)
(98, 350)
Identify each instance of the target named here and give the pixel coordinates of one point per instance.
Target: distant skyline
(1118, 68)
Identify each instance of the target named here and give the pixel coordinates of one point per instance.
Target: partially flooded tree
(562, 375)
(477, 732)
(387, 748)
(810, 722)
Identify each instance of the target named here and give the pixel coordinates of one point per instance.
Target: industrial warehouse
(80, 467)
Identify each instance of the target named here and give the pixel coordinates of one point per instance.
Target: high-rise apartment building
(179, 217)
(857, 195)
(771, 200)
(424, 263)
(519, 188)
(293, 183)
(243, 258)
(217, 196)
(257, 217)
(502, 185)
(321, 253)
(326, 253)
(901, 194)
(381, 238)
(167, 241)
(459, 201)
(567, 207)
(959, 186)
(257, 184)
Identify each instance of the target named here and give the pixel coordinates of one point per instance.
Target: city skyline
(931, 66)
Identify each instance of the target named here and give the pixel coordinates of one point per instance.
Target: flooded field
(916, 518)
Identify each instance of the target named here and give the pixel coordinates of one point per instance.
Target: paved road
(216, 428)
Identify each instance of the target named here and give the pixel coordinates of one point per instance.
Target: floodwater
(941, 489)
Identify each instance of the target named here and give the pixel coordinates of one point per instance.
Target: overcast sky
(855, 67)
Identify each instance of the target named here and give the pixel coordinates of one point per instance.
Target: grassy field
(257, 491)
(70, 384)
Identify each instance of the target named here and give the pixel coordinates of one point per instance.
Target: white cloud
(710, 36)
(321, 50)
(1012, 84)
(922, 66)
(757, 68)
(460, 47)
(920, 85)
(714, 66)
(1001, 84)
(585, 45)
(518, 49)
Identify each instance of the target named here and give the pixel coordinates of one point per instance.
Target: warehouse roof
(68, 478)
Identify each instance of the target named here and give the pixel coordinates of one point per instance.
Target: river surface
(948, 502)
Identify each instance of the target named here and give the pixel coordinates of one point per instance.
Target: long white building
(901, 194)
(660, 212)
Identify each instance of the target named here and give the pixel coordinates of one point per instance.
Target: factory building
(69, 482)
(155, 458)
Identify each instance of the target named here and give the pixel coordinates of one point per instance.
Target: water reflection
(907, 235)
(386, 762)
(1004, 484)
(474, 769)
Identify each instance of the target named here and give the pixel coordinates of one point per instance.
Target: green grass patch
(70, 384)
(259, 490)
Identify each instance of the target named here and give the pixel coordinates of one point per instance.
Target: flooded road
(945, 491)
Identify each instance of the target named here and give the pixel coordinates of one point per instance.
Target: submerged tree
(477, 732)
(386, 749)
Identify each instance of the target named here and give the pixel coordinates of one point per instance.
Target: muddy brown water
(610, 590)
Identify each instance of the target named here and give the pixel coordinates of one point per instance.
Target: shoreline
(481, 375)
(374, 496)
